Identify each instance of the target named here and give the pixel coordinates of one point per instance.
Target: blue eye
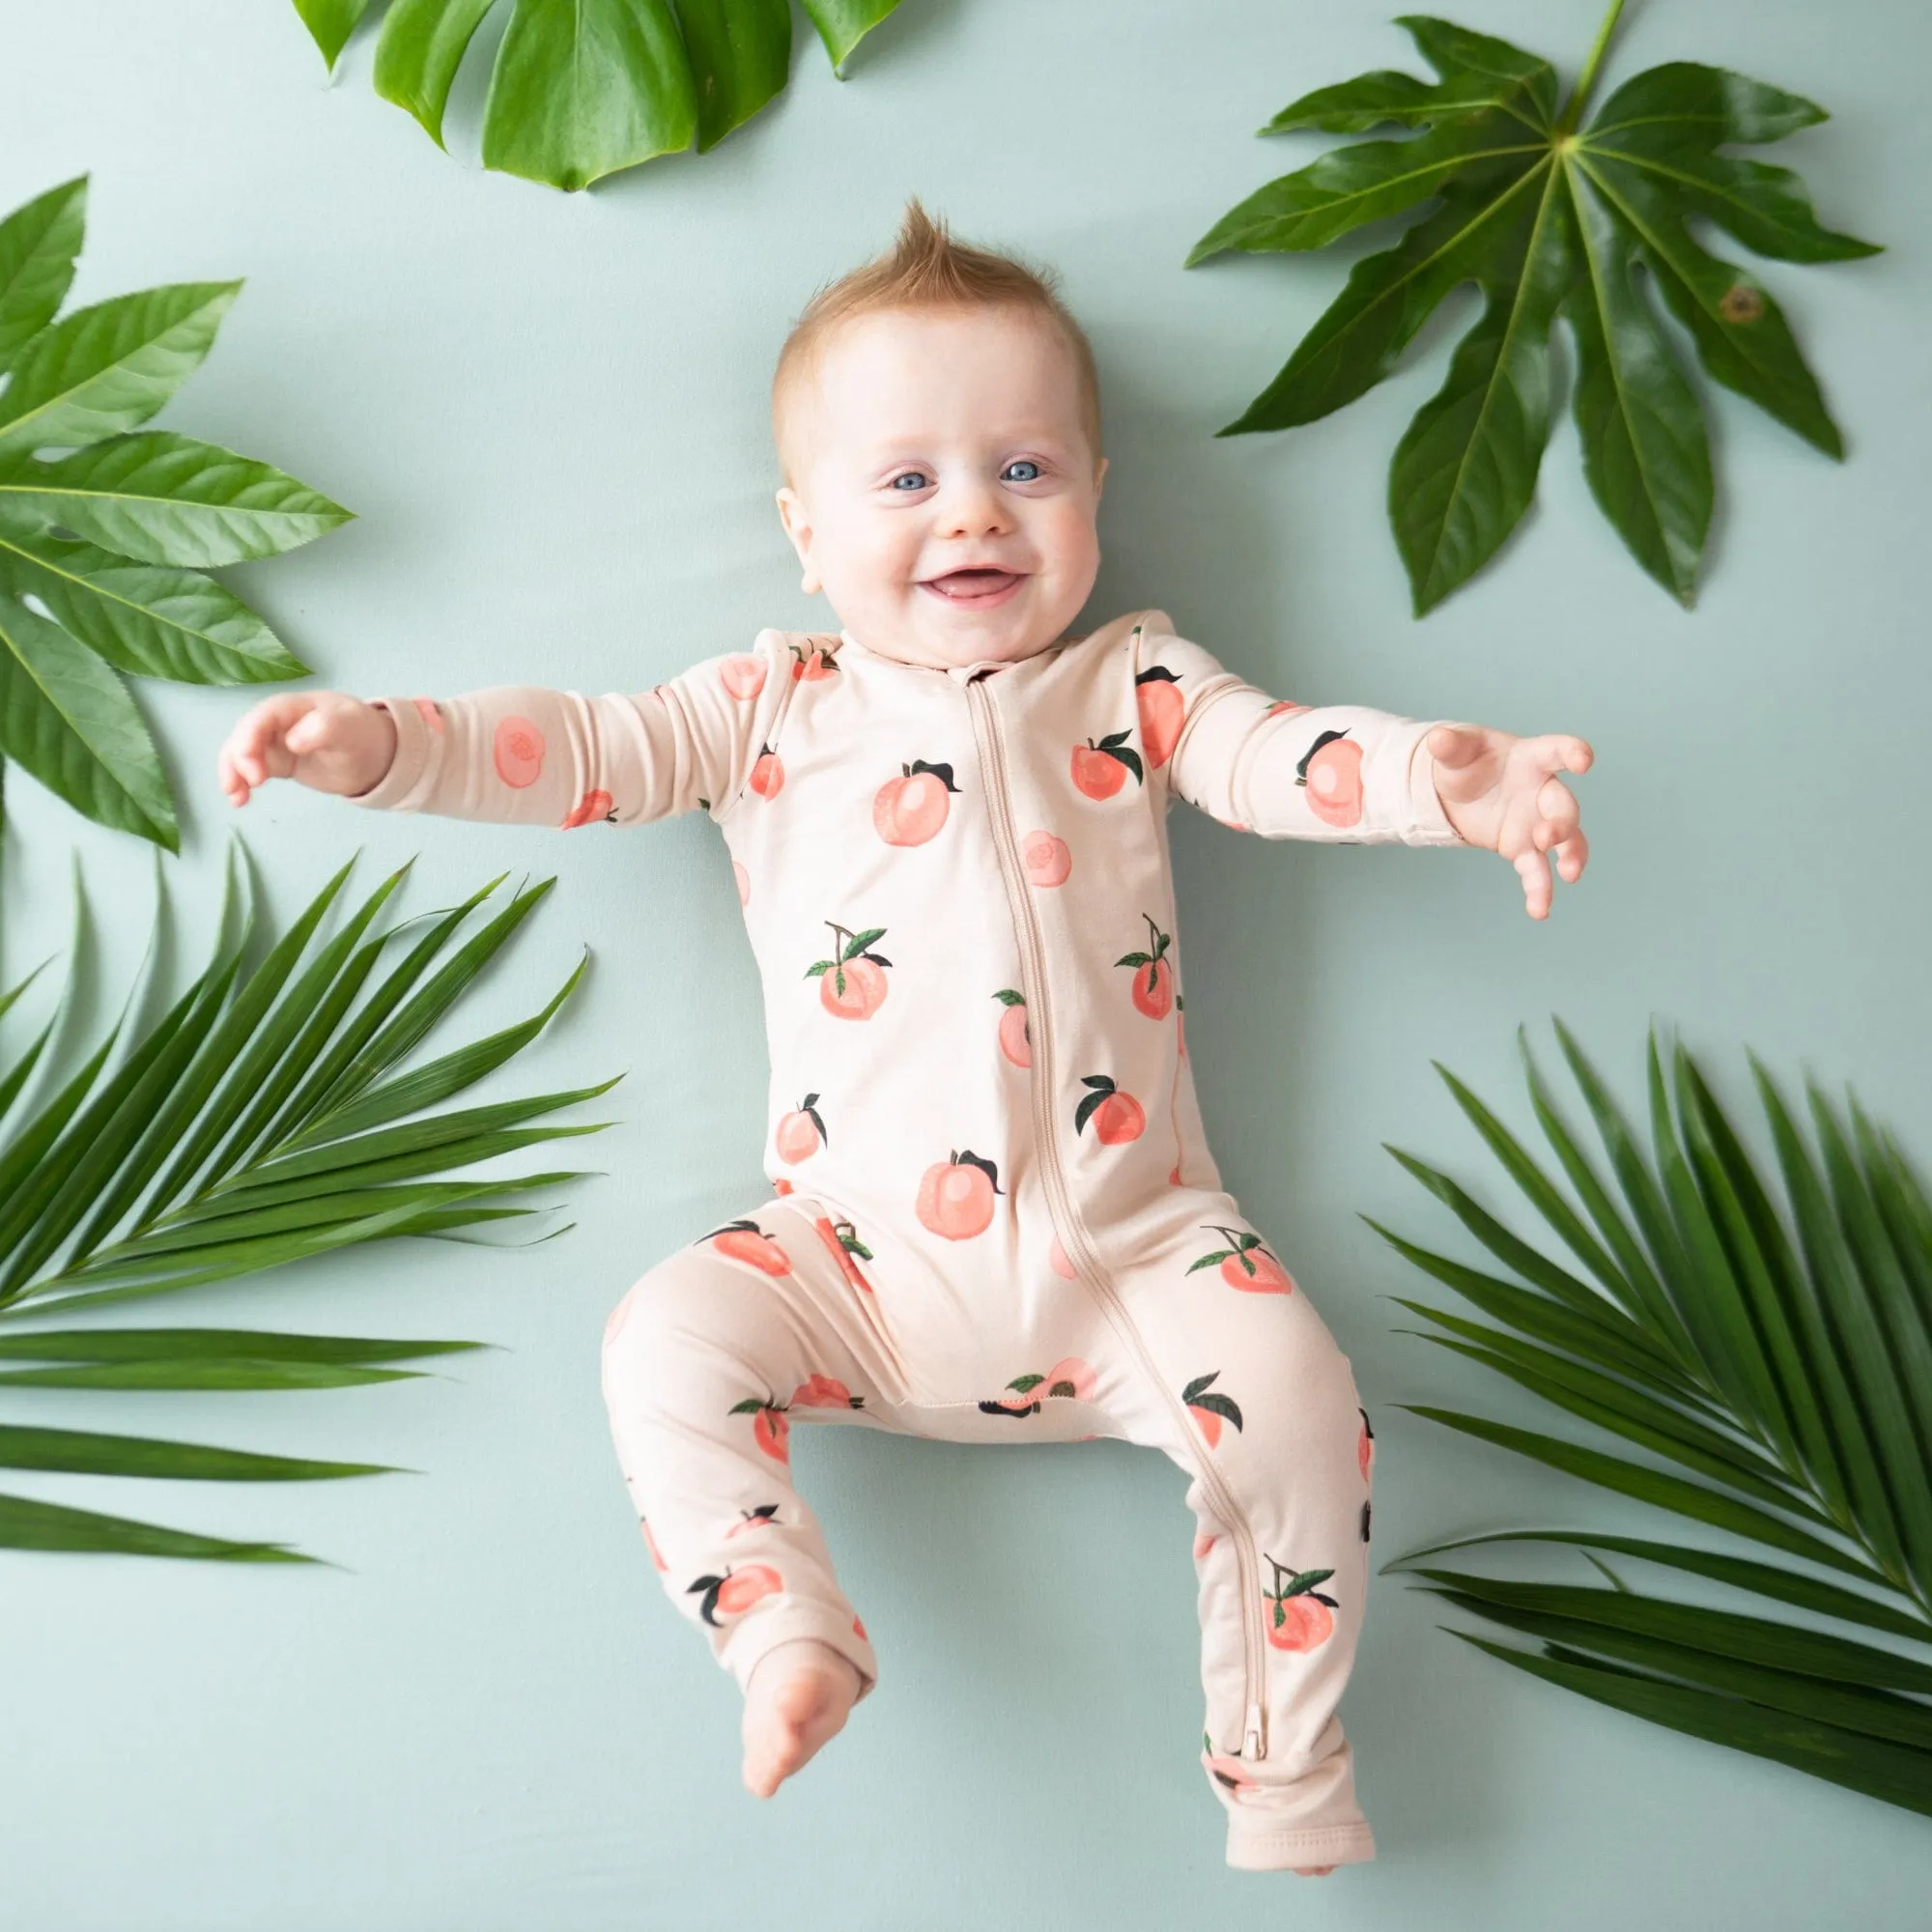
(913, 479)
(1031, 467)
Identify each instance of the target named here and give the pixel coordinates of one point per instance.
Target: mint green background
(550, 414)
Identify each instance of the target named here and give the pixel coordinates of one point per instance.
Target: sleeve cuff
(392, 790)
(1428, 823)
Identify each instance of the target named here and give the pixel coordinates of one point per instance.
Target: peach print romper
(996, 1217)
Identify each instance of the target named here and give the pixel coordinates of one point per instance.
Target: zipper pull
(1253, 1742)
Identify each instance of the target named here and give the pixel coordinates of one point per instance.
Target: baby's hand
(1498, 792)
(324, 739)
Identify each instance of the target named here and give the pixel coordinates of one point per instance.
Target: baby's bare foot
(799, 1696)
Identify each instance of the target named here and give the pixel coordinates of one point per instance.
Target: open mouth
(978, 588)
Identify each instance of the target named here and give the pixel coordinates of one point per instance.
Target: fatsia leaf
(110, 367)
(579, 91)
(101, 548)
(37, 245)
(1549, 219)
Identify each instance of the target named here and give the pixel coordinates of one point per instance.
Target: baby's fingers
(1533, 869)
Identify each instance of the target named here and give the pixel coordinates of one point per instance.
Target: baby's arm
(1344, 772)
(525, 754)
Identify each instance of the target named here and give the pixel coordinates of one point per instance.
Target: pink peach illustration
(771, 1428)
(910, 808)
(768, 773)
(742, 677)
(1302, 1616)
(1071, 1380)
(800, 1133)
(746, 1241)
(519, 751)
(1210, 1407)
(651, 1543)
(809, 667)
(1101, 770)
(430, 712)
(1057, 1261)
(1174, 1175)
(1162, 707)
(1117, 1116)
(782, 1186)
(955, 1196)
(1046, 857)
(752, 1518)
(852, 982)
(1246, 1263)
(1154, 976)
(736, 1591)
(1282, 704)
(825, 1392)
(592, 805)
(1204, 1541)
(1332, 772)
(743, 881)
(859, 1630)
(1365, 1445)
(843, 1238)
(1016, 1034)
(1227, 1772)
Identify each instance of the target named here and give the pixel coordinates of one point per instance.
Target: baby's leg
(1271, 1422)
(706, 1360)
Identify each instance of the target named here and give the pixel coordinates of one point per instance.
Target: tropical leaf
(579, 91)
(249, 1126)
(105, 527)
(1776, 1356)
(1549, 217)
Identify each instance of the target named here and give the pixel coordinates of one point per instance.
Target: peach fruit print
(1117, 1116)
(809, 665)
(594, 804)
(1057, 1259)
(1016, 1035)
(1101, 770)
(910, 808)
(1333, 771)
(1246, 1263)
(800, 1133)
(1210, 1408)
(955, 1196)
(1072, 1380)
(430, 712)
(843, 1238)
(825, 1392)
(746, 1241)
(768, 773)
(1157, 695)
(1047, 859)
(770, 1426)
(752, 1518)
(742, 880)
(1153, 977)
(742, 677)
(852, 982)
(1365, 1445)
(1302, 1616)
(518, 750)
(736, 1591)
(1229, 1771)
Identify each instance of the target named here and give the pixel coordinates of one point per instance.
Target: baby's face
(944, 487)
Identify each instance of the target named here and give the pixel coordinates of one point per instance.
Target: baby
(995, 1215)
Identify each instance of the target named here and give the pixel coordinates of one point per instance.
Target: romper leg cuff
(765, 1631)
(1260, 1849)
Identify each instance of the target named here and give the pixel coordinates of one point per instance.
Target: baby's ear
(797, 524)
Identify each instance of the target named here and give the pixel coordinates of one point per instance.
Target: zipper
(1072, 1230)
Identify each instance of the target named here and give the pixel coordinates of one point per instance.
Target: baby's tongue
(971, 582)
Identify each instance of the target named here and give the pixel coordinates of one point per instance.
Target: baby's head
(938, 422)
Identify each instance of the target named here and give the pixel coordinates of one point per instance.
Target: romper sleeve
(521, 754)
(1340, 772)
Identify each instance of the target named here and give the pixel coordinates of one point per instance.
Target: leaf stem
(1573, 111)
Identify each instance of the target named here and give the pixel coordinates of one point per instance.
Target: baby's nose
(972, 510)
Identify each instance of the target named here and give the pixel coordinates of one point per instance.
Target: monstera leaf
(102, 547)
(1769, 1363)
(1505, 189)
(264, 1117)
(580, 90)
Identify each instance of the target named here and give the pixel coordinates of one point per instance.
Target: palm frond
(1769, 1348)
(263, 1117)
